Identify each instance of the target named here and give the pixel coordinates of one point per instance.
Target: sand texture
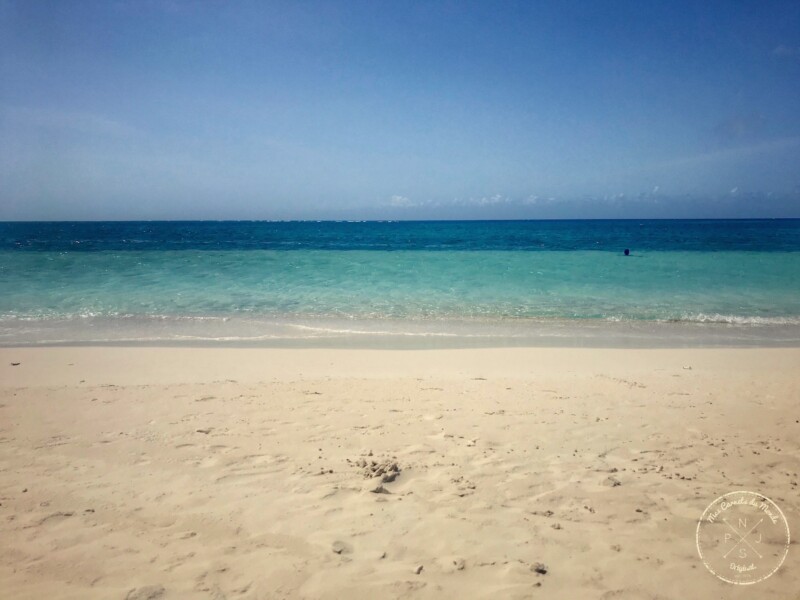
(138, 473)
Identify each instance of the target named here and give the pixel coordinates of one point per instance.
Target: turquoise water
(163, 282)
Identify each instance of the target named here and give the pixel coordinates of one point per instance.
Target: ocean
(402, 284)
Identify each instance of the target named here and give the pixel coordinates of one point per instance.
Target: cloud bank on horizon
(176, 109)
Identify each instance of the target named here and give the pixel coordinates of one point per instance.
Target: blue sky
(167, 109)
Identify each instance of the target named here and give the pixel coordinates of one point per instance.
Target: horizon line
(467, 220)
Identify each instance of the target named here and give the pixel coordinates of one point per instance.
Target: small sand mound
(385, 468)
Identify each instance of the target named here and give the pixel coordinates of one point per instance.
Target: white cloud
(401, 202)
(491, 200)
(483, 200)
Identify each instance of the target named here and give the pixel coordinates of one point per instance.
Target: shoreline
(411, 334)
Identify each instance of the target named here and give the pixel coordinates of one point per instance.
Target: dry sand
(245, 473)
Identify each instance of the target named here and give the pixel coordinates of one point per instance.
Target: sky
(171, 109)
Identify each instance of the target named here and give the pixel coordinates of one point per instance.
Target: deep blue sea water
(704, 281)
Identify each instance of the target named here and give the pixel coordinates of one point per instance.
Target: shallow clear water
(247, 281)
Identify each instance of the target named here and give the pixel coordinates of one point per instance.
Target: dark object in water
(627, 252)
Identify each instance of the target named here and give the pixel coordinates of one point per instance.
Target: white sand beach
(143, 473)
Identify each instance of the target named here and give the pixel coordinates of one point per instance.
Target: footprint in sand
(148, 592)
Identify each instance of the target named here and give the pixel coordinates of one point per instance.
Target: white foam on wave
(339, 331)
(695, 318)
(269, 330)
(736, 319)
(698, 317)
